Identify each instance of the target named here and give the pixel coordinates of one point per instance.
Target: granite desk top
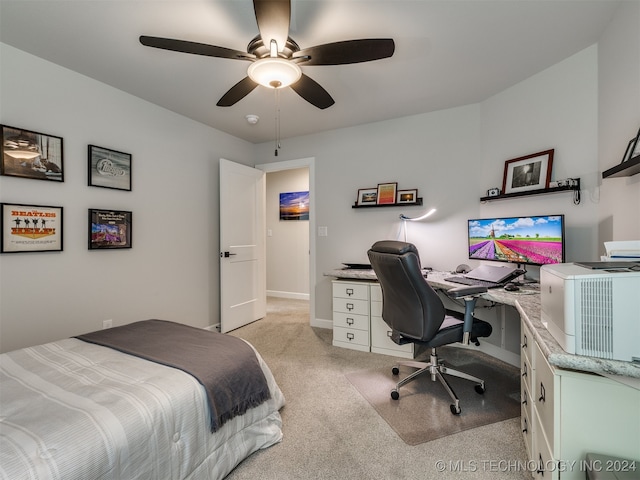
(527, 302)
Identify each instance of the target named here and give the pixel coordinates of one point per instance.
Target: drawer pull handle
(542, 393)
(350, 321)
(350, 306)
(350, 336)
(524, 344)
(524, 402)
(526, 427)
(524, 371)
(349, 291)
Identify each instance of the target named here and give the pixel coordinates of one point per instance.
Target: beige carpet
(422, 412)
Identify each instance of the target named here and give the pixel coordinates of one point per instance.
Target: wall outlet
(107, 324)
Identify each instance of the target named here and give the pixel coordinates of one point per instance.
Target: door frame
(309, 163)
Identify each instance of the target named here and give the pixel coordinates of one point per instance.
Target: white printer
(593, 311)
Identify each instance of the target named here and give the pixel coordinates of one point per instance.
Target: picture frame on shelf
(109, 229)
(530, 172)
(109, 168)
(635, 150)
(28, 154)
(407, 197)
(367, 196)
(386, 193)
(629, 150)
(30, 228)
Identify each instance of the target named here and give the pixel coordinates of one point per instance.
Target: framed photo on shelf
(109, 168)
(531, 172)
(407, 196)
(386, 193)
(30, 154)
(367, 196)
(629, 150)
(635, 150)
(109, 229)
(30, 228)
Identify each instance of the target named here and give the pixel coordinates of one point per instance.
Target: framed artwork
(30, 228)
(294, 206)
(629, 150)
(386, 193)
(407, 196)
(531, 172)
(367, 196)
(635, 150)
(109, 168)
(30, 154)
(109, 229)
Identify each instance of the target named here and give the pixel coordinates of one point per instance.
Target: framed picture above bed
(30, 228)
(109, 229)
(109, 168)
(30, 154)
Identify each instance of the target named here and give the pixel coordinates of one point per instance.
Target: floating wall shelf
(625, 169)
(418, 202)
(504, 196)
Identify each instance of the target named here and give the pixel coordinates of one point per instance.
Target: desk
(571, 404)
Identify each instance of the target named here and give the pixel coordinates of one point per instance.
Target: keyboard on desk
(473, 282)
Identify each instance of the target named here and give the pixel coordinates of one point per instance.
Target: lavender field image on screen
(525, 240)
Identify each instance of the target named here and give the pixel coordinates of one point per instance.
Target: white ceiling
(448, 53)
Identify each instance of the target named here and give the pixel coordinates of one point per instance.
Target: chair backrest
(409, 305)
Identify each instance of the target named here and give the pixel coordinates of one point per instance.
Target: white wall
(453, 157)
(287, 241)
(172, 270)
(619, 120)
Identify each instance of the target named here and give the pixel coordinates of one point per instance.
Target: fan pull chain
(277, 122)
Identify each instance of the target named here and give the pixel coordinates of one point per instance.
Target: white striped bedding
(74, 410)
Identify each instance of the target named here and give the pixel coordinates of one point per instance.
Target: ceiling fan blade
(312, 92)
(195, 48)
(348, 51)
(236, 93)
(273, 17)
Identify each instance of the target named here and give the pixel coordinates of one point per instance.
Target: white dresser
(567, 414)
(357, 320)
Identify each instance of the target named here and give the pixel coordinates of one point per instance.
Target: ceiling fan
(276, 58)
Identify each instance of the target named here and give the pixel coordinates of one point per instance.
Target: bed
(76, 409)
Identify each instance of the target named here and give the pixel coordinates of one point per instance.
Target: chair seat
(451, 331)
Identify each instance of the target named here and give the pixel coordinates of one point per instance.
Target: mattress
(74, 410)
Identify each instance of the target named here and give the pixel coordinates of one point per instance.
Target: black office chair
(417, 315)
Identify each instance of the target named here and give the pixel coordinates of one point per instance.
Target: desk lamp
(406, 219)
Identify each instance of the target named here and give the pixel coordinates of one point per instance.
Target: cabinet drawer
(525, 399)
(526, 343)
(380, 337)
(349, 320)
(526, 373)
(545, 467)
(527, 431)
(348, 305)
(351, 335)
(358, 291)
(544, 395)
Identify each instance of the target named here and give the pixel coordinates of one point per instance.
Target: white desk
(571, 404)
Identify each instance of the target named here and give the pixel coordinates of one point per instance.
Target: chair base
(436, 369)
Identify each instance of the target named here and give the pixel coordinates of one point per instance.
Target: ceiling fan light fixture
(274, 72)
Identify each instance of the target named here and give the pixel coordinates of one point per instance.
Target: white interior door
(243, 290)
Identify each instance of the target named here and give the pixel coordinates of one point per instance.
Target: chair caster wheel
(395, 370)
(479, 389)
(394, 394)
(455, 410)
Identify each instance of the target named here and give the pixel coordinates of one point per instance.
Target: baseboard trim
(322, 323)
(292, 295)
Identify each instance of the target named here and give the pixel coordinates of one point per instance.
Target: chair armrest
(465, 291)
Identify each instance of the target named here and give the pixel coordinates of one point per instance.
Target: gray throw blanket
(226, 366)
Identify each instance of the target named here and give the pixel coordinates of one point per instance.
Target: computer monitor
(526, 240)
